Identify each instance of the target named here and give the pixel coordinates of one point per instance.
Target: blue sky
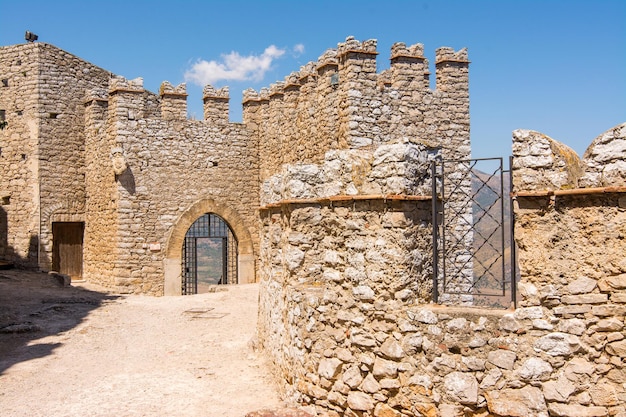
(558, 67)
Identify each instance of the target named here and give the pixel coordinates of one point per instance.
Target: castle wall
(19, 157)
(341, 102)
(355, 342)
(45, 156)
(346, 229)
(171, 164)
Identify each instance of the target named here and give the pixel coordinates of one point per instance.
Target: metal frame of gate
(210, 226)
(455, 224)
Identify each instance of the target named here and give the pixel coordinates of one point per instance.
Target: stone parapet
(216, 105)
(173, 101)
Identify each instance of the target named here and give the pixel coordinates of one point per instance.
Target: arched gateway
(208, 223)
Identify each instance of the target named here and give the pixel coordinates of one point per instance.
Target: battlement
(121, 84)
(351, 45)
(216, 105)
(96, 94)
(446, 54)
(173, 101)
(341, 102)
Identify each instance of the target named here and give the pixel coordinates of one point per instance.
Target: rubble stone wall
(341, 102)
(44, 148)
(347, 317)
(171, 164)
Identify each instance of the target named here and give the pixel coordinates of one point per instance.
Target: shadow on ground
(34, 305)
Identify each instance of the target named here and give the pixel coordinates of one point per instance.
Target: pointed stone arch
(173, 252)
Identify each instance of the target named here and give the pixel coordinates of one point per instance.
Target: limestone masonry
(323, 195)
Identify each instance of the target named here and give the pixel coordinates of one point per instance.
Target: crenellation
(216, 105)
(173, 101)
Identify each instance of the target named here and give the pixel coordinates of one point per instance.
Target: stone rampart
(341, 102)
(345, 307)
(149, 166)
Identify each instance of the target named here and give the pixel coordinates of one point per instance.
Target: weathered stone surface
(604, 394)
(585, 299)
(573, 326)
(616, 282)
(360, 401)
(461, 387)
(423, 316)
(608, 310)
(329, 367)
(528, 313)
(509, 323)
(535, 369)
(504, 359)
(363, 292)
(558, 344)
(384, 368)
(392, 349)
(559, 390)
(527, 401)
(473, 363)
(610, 325)
(572, 309)
(582, 285)
(370, 385)
(617, 348)
(360, 338)
(383, 410)
(568, 410)
(352, 377)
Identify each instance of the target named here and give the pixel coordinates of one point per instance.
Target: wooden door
(67, 248)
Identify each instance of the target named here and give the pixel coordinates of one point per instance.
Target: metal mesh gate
(474, 253)
(209, 255)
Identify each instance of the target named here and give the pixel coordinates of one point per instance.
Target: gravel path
(84, 352)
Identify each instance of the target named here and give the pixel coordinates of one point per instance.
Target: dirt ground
(82, 351)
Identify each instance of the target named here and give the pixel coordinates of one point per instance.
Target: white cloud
(299, 49)
(233, 67)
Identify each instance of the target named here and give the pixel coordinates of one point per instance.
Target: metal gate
(209, 255)
(473, 246)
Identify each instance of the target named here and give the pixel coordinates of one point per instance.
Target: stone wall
(345, 312)
(43, 146)
(341, 102)
(346, 230)
(171, 164)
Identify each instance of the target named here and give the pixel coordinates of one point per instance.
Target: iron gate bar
(211, 226)
(479, 227)
(512, 236)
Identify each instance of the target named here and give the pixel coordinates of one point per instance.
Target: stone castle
(323, 196)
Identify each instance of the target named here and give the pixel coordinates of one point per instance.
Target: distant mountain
(492, 237)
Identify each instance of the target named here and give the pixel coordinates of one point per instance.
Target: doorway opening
(209, 255)
(67, 248)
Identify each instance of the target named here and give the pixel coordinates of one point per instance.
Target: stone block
(585, 299)
(569, 410)
(504, 359)
(535, 369)
(582, 285)
(461, 387)
(557, 344)
(524, 402)
(360, 401)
